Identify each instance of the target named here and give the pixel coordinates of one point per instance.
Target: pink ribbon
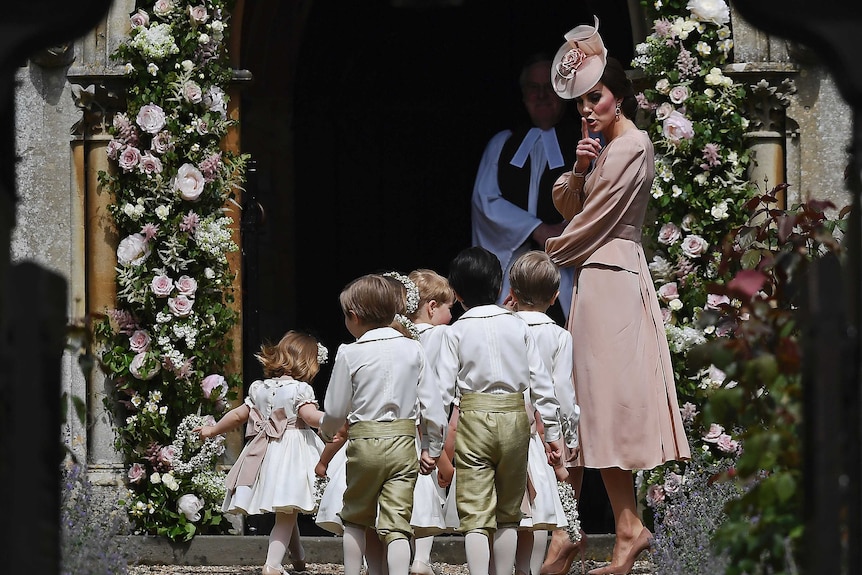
(245, 470)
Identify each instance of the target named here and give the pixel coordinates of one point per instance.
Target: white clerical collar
(550, 143)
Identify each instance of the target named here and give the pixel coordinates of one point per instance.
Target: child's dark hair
(615, 79)
(476, 276)
(294, 355)
(373, 298)
(535, 279)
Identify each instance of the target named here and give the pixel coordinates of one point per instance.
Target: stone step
(248, 549)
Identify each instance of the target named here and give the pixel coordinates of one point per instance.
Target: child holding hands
(380, 386)
(534, 282)
(491, 358)
(275, 470)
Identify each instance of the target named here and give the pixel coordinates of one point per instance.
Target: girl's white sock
(540, 544)
(279, 538)
(505, 541)
(423, 549)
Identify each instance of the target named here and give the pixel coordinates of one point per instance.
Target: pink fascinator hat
(580, 62)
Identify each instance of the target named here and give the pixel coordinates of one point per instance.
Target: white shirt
(491, 350)
(382, 376)
(503, 228)
(555, 347)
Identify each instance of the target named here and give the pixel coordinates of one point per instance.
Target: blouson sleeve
(568, 194)
(608, 192)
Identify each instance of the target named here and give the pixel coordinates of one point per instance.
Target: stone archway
(367, 121)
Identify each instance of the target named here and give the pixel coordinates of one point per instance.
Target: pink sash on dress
(245, 470)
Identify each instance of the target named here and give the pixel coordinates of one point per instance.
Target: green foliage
(762, 355)
(166, 346)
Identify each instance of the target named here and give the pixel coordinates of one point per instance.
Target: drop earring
(617, 113)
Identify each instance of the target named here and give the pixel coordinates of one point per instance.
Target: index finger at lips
(585, 132)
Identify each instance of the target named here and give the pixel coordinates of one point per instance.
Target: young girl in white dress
(432, 312)
(274, 473)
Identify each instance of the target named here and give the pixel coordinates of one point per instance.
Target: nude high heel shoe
(561, 556)
(641, 544)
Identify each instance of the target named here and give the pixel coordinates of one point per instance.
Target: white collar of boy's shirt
(379, 333)
(535, 317)
(550, 145)
(423, 327)
(487, 310)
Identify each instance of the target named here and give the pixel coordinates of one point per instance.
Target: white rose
(162, 212)
(190, 505)
(189, 182)
(155, 478)
(663, 111)
(192, 92)
(719, 211)
(133, 250)
(163, 7)
(198, 14)
(715, 11)
(663, 86)
(203, 39)
(187, 65)
(675, 304)
(170, 482)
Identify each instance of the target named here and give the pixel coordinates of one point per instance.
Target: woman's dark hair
(476, 276)
(614, 77)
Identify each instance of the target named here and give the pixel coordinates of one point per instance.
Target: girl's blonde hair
(374, 299)
(534, 278)
(432, 286)
(294, 355)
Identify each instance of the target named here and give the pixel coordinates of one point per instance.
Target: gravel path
(640, 568)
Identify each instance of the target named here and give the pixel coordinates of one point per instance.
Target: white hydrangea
(156, 42)
(213, 236)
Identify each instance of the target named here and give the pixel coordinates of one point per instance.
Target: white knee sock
(279, 538)
(423, 549)
(524, 552)
(505, 542)
(354, 549)
(478, 551)
(398, 557)
(375, 554)
(537, 557)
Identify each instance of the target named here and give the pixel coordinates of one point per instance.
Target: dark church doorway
(366, 120)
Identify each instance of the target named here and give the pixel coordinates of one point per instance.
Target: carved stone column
(767, 134)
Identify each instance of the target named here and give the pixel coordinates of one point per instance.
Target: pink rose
(677, 127)
(115, 148)
(192, 92)
(139, 341)
(161, 143)
(672, 482)
(163, 7)
(694, 246)
(715, 431)
(181, 305)
(669, 234)
(150, 164)
(212, 383)
(668, 291)
(133, 250)
(714, 301)
(198, 14)
(162, 286)
(136, 473)
(726, 444)
(189, 182)
(187, 286)
(678, 94)
(151, 118)
(140, 18)
(167, 455)
(136, 368)
(129, 158)
(655, 495)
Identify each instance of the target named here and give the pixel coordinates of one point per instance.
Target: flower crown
(412, 290)
(322, 353)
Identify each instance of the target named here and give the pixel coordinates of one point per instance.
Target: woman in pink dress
(623, 375)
